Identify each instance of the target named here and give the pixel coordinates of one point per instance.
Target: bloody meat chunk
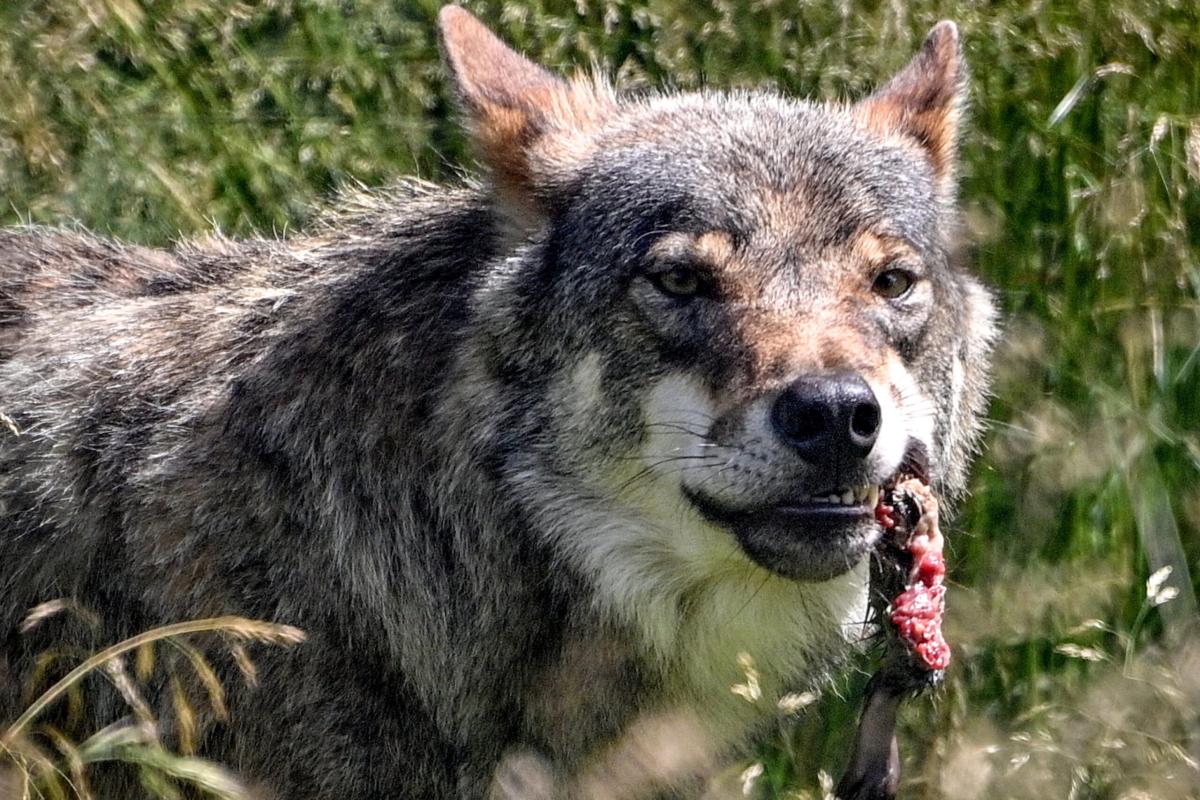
(908, 592)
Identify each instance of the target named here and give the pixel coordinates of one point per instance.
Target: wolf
(543, 464)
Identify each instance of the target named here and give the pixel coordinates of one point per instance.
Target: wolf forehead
(790, 207)
(741, 161)
(790, 176)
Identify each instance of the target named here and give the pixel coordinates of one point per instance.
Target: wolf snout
(833, 416)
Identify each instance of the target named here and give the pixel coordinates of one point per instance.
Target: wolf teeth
(848, 497)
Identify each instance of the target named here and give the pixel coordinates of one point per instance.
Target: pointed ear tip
(943, 39)
(946, 25)
(454, 20)
(450, 12)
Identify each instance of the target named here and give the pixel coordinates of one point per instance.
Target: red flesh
(884, 515)
(917, 611)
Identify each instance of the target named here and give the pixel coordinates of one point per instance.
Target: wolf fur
(448, 432)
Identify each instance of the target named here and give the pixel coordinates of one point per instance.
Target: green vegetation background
(152, 119)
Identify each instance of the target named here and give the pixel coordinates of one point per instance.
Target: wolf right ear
(530, 127)
(924, 102)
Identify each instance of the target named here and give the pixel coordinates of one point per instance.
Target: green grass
(149, 119)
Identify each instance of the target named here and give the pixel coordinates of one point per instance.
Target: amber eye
(678, 281)
(893, 284)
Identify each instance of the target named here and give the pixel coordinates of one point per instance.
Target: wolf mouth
(838, 504)
(815, 536)
(805, 539)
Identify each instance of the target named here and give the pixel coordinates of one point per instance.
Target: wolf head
(728, 317)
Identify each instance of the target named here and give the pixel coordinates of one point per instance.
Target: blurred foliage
(50, 759)
(1081, 191)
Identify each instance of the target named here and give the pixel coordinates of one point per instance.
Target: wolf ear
(924, 102)
(530, 127)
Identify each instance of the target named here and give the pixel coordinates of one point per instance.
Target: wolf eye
(892, 284)
(678, 281)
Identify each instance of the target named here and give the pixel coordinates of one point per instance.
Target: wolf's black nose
(833, 416)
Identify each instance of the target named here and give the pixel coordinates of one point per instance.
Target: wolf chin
(543, 466)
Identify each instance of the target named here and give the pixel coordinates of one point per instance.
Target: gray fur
(369, 432)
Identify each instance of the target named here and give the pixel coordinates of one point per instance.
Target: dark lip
(781, 512)
(915, 463)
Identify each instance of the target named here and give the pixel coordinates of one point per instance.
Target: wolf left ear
(924, 102)
(530, 127)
